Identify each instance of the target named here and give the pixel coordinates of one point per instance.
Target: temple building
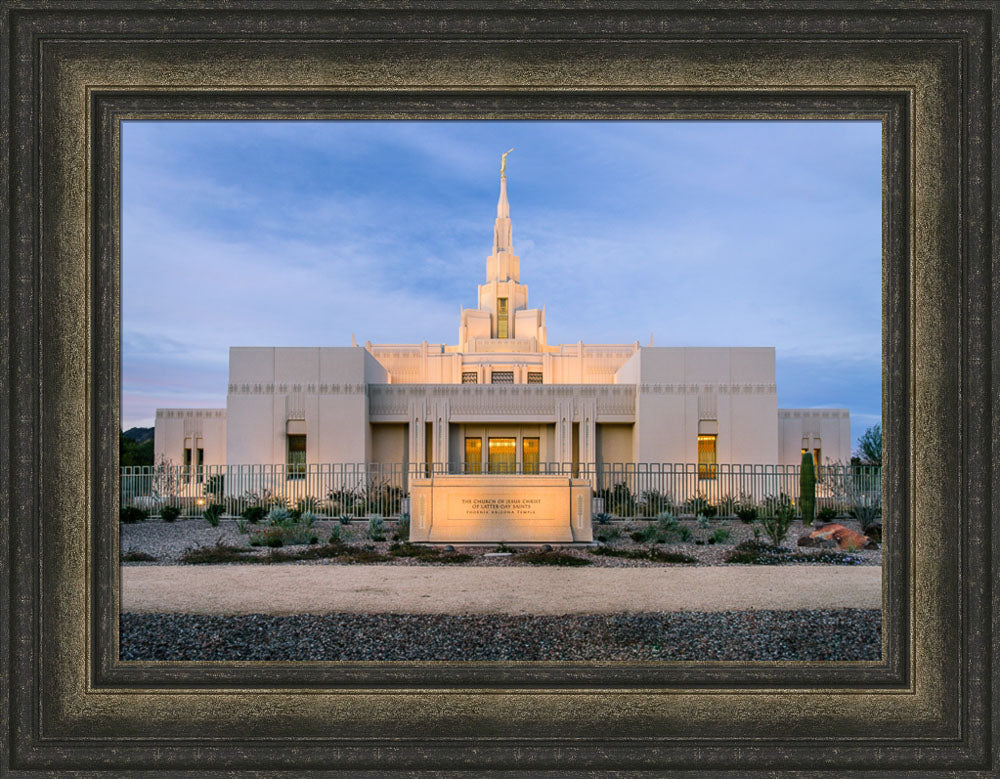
(501, 398)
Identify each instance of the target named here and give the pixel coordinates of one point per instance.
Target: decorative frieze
(813, 413)
(696, 389)
(188, 413)
(302, 389)
(513, 400)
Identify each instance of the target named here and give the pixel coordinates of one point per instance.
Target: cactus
(807, 489)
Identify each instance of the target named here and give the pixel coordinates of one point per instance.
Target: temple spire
(503, 234)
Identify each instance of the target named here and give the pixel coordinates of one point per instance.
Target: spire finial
(503, 163)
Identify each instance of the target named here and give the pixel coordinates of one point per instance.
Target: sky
(302, 233)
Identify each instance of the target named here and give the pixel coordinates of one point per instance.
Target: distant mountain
(139, 434)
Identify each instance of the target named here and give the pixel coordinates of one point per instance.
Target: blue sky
(701, 233)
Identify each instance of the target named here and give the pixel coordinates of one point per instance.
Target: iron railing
(626, 490)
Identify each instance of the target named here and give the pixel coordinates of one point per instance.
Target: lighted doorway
(529, 454)
(473, 455)
(503, 455)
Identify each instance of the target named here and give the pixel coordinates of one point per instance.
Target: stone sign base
(500, 508)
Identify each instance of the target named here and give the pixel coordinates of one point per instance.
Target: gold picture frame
(74, 72)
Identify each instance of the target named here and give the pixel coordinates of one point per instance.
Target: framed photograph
(78, 75)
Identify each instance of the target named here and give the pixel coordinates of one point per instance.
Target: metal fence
(626, 490)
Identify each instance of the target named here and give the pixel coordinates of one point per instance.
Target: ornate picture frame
(75, 71)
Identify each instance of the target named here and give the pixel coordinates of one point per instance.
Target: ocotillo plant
(807, 489)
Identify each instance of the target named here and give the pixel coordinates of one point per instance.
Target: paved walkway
(318, 589)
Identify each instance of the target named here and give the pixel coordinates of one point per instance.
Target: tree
(869, 449)
(135, 453)
(807, 489)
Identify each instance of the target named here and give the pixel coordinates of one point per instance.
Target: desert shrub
(747, 513)
(213, 513)
(278, 514)
(608, 534)
(866, 512)
(772, 504)
(667, 522)
(602, 518)
(137, 556)
(344, 519)
(335, 535)
(254, 514)
(653, 503)
(427, 554)
(403, 528)
(644, 554)
(170, 513)
(414, 551)
(618, 501)
(827, 514)
(759, 553)
(220, 553)
(776, 525)
(551, 558)
(659, 556)
(286, 533)
(215, 487)
(684, 534)
(307, 518)
(376, 528)
(699, 505)
(131, 514)
(754, 552)
(726, 507)
(719, 536)
(648, 534)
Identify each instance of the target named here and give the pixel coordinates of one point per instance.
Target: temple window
(296, 456)
(534, 377)
(706, 456)
(470, 377)
(502, 377)
(502, 318)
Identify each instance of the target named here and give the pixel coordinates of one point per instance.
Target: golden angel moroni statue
(503, 163)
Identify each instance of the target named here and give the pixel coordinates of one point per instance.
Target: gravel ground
(167, 541)
(842, 634)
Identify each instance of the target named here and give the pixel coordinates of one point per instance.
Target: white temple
(501, 397)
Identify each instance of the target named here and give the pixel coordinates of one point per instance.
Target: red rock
(843, 536)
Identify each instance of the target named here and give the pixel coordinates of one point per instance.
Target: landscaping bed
(619, 543)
